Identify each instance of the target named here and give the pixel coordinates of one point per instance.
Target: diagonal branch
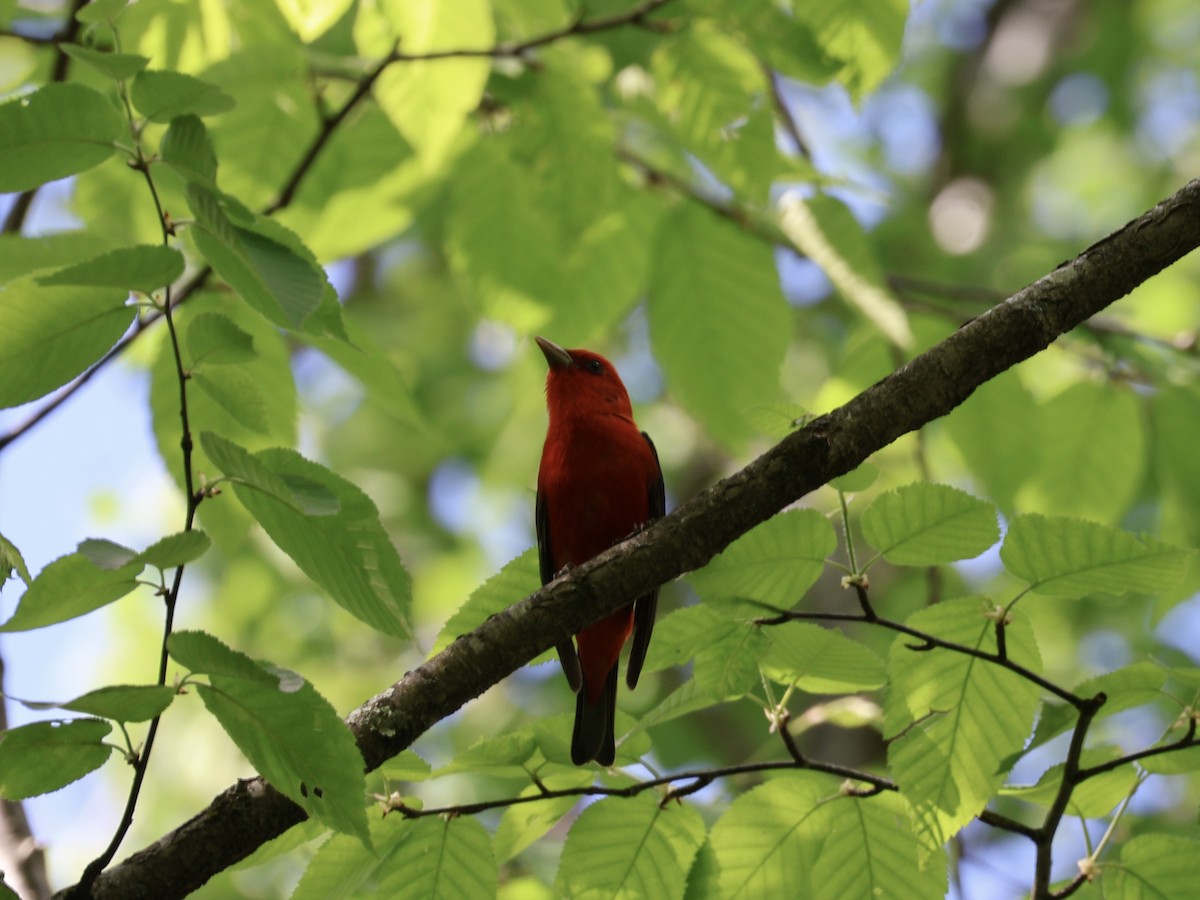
(250, 812)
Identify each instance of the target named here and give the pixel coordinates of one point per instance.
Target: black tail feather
(593, 735)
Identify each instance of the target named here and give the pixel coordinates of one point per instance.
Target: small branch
(1188, 740)
(1044, 837)
(927, 642)
(638, 15)
(790, 127)
(142, 762)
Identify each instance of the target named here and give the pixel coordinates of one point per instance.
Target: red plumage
(599, 481)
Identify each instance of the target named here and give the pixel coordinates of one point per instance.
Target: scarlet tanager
(598, 483)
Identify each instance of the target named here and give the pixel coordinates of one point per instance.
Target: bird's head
(581, 382)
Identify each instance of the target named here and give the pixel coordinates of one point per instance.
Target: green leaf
(1091, 453)
(778, 419)
(929, 524)
(187, 149)
(48, 335)
(630, 848)
(243, 468)
(684, 700)
(289, 732)
(1158, 866)
(429, 101)
(431, 857)
(144, 269)
(10, 561)
(70, 586)
(117, 66)
(715, 286)
(825, 231)
(56, 131)
(524, 823)
(124, 703)
(45, 756)
(518, 578)
(955, 718)
(101, 11)
(821, 660)
(729, 668)
(505, 754)
(20, 255)
(160, 95)
(501, 246)
(269, 275)
(683, 633)
(857, 480)
(312, 18)
(774, 563)
(348, 552)
(215, 340)
(106, 554)
(865, 35)
(232, 389)
(175, 550)
(768, 840)
(999, 456)
(1070, 557)
(871, 851)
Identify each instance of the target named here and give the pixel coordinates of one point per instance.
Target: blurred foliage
(465, 175)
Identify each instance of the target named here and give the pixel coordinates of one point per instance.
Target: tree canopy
(928, 622)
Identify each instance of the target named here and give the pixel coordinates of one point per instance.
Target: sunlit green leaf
(820, 660)
(775, 563)
(827, 233)
(1070, 557)
(929, 524)
(162, 94)
(1094, 798)
(714, 286)
(518, 578)
(235, 392)
(1159, 866)
(953, 717)
(523, 824)
(630, 847)
(312, 18)
(175, 550)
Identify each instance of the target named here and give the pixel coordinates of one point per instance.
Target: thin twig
(927, 642)
(142, 761)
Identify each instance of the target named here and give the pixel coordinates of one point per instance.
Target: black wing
(566, 648)
(643, 614)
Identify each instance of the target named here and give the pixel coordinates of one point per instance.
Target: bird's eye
(595, 367)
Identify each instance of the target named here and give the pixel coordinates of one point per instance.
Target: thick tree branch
(250, 812)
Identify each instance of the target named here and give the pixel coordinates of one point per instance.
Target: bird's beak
(556, 356)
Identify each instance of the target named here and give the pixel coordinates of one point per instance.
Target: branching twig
(142, 760)
(927, 642)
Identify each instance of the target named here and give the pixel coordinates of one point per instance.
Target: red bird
(598, 483)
